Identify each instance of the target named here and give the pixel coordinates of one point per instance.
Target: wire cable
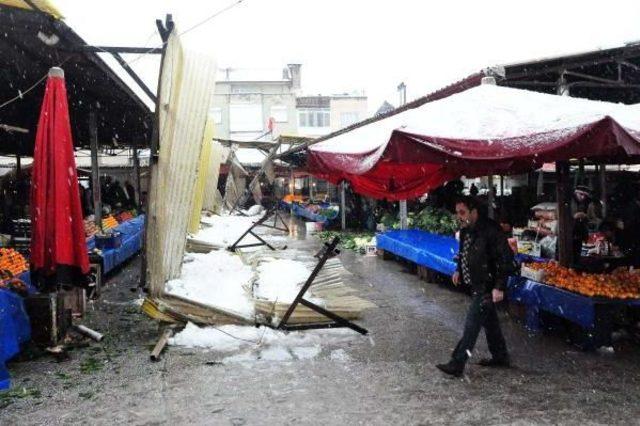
(21, 94)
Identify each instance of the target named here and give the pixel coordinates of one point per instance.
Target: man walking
(484, 263)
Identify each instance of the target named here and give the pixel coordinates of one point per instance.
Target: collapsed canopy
(484, 130)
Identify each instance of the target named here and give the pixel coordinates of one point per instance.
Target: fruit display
(15, 285)
(90, 228)
(620, 284)
(109, 222)
(12, 263)
(125, 216)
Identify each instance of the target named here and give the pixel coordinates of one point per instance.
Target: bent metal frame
(337, 321)
(261, 222)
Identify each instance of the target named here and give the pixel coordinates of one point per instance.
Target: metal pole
(311, 187)
(565, 220)
(501, 191)
(343, 213)
(95, 169)
(603, 188)
(540, 183)
(136, 170)
(491, 196)
(404, 217)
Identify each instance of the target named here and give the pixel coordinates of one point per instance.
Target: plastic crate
(109, 241)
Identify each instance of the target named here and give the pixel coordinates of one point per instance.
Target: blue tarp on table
(15, 329)
(593, 314)
(301, 211)
(424, 248)
(132, 238)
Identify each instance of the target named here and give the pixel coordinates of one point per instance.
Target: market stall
(486, 130)
(121, 242)
(15, 329)
(321, 212)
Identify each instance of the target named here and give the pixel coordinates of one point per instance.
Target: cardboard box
(532, 274)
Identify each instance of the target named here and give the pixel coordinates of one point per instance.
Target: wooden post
(404, 216)
(95, 169)
(491, 196)
(565, 219)
(343, 213)
(603, 188)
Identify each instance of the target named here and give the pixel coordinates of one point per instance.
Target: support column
(565, 220)
(491, 196)
(501, 192)
(540, 183)
(136, 170)
(343, 213)
(404, 217)
(603, 188)
(95, 170)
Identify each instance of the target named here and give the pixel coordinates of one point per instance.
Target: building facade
(251, 104)
(255, 104)
(320, 115)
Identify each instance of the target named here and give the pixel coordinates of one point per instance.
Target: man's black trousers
(482, 313)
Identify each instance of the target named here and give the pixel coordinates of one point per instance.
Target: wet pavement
(387, 377)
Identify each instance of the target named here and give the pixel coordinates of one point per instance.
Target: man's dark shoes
(451, 368)
(495, 362)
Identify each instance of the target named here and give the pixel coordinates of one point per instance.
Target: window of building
(348, 118)
(216, 113)
(245, 117)
(314, 118)
(279, 113)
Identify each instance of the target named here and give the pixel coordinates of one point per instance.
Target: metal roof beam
(122, 50)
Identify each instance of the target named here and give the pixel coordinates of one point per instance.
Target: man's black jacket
(490, 257)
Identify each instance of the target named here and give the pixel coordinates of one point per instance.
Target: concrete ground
(385, 378)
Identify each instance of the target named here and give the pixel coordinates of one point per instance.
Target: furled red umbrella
(57, 238)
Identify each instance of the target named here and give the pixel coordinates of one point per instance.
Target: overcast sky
(372, 45)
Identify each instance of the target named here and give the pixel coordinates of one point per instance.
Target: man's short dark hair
(470, 202)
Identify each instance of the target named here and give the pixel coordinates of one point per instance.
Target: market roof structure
(611, 75)
(33, 42)
(484, 130)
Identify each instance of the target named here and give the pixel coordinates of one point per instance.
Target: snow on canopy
(484, 130)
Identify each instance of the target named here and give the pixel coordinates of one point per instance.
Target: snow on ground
(218, 278)
(280, 280)
(222, 231)
(262, 344)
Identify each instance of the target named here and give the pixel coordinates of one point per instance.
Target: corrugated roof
(32, 43)
(40, 5)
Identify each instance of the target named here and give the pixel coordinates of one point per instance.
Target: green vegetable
(438, 221)
(349, 240)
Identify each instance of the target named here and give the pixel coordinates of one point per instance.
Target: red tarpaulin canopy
(58, 237)
(484, 130)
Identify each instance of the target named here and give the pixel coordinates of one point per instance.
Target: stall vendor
(587, 214)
